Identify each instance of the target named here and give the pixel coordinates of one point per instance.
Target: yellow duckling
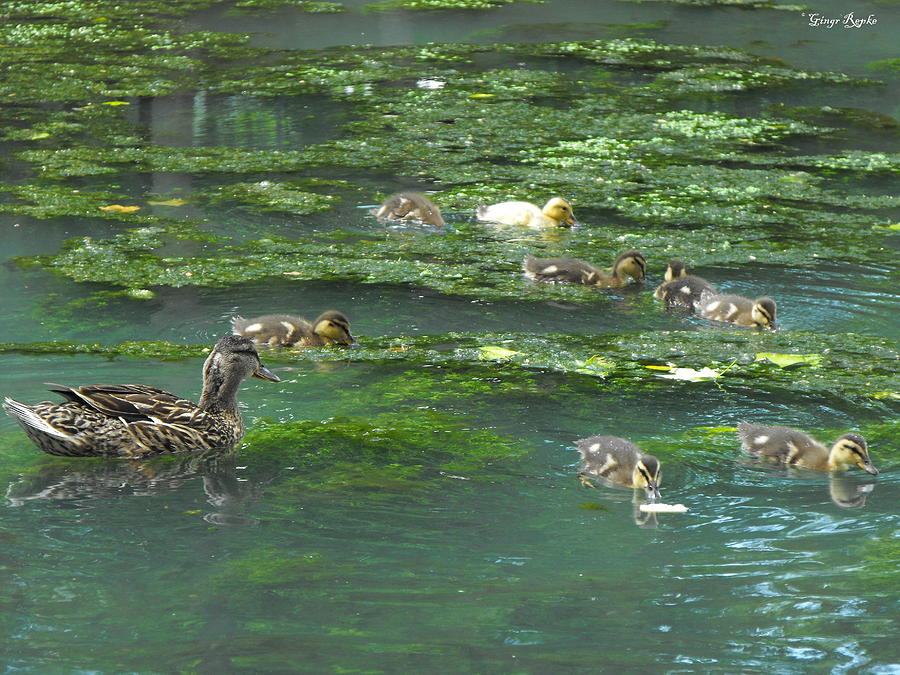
(285, 330)
(759, 313)
(795, 448)
(680, 288)
(620, 461)
(628, 264)
(555, 212)
(409, 206)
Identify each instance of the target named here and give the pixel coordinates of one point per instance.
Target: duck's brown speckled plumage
(620, 461)
(409, 206)
(795, 448)
(136, 420)
(571, 270)
(681, 289)
(288, 330)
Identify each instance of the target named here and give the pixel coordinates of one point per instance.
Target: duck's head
(560, 210)
(763, 312)
(334, 328)
(675, 270)
(851, 450)
(647, 474)
(631, 263)
(233, 358)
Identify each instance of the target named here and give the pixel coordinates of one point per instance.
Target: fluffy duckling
(793, 447)
(134, 420)
(680, 288)
(759, 313)
(409, 206)
(628, 264)
(620, 461)
(285, 330)
(555, 212)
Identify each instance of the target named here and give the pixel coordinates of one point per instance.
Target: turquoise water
(348, 546)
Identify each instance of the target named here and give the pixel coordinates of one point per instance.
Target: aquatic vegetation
(857, 368)
(268, 196)
(392, 5)
(312, 6)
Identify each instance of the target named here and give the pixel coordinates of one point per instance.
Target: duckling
(134, 420)
(285, 330)
(759, 313)
(628, 264)
(795, 448)
(409, 206)
(620, 461)
(680, 288)
(555, 212)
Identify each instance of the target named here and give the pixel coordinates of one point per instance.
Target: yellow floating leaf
(490, 352)
(476, 95)
(885, 394)
(118, 208)
(38, 136)
(788, 360)
(659, 367)
(116, 103)
(169, 202)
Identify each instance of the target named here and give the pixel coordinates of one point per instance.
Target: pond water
(420, 511)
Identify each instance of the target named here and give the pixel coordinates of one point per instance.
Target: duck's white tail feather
(27, 416)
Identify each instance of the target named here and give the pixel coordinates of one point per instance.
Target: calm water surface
(254, 562)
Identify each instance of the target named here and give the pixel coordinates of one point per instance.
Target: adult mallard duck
(555, 212)
(681, 289)
(619, 461)
(795, 448)
(135, 420)
(286, 330)
(409, 206)
(628, 264)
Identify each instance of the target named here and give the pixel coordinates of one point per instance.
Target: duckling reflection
(847, 492)
(78, 483)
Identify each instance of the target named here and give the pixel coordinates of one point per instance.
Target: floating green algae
(858, 368)
(392, 5)
(312, 6)
(269, 196)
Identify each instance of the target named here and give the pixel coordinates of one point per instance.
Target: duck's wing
(131, 402)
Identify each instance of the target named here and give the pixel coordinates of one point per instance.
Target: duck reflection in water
(76, 483)
(847, 492)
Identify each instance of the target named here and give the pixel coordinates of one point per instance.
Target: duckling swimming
(555, 212)
(134, 420)
(795, 448)
(409, 206)
(680, 288)
(571, 270)
(759, 313)
(620, 461)
(285, 330)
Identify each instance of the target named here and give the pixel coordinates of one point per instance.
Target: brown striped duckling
(285, 330)
(555, 212)
(409, 206)
(759, 313)
(680, 288)
(619, 461)
(795, 448)
(134, 420)
(628, 264)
